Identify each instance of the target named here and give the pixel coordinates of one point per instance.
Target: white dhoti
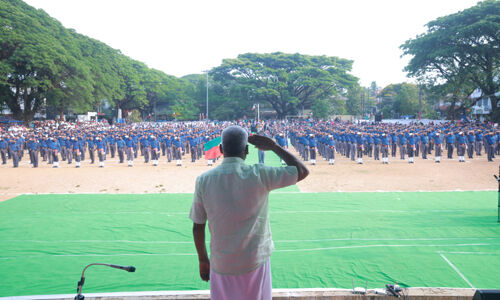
(255, 285)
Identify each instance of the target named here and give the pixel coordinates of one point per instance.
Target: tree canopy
(286, 82)
(43, 64)
(399, 99)
(460, 52)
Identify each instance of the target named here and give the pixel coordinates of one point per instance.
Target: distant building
(483, 106)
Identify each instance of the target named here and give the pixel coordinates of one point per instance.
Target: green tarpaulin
(322, 240)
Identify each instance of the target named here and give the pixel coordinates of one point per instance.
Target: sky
(189, 36)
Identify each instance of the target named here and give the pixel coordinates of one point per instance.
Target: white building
(483, 105)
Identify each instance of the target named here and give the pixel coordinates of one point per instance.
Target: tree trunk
(495, 112)
(28, 117)
(451, 110)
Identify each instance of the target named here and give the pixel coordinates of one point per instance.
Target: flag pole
(258, 112)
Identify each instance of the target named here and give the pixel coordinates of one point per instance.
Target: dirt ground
(345, 175)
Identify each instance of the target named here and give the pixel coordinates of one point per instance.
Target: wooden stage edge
(278, 294)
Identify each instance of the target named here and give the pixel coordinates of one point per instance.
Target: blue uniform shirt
(120, 143)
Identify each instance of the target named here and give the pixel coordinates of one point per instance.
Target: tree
(44, 65)
(353, 104)
(460, 50)
(322, 109)
(373, 89)
(339, 106)
(399, 99)
(287, 82)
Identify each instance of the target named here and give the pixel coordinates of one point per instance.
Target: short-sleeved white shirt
(234, 198)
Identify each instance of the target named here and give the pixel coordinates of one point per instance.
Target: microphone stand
(79, 287)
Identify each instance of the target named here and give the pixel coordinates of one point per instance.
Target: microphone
(128, 268)
(79, 287)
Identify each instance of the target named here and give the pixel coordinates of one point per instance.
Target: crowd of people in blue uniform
(173, 140)
(385, 141)
(97, 142)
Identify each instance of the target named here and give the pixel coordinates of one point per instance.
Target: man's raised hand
(262, 142)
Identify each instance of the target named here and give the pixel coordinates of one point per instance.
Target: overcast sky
(188, 36)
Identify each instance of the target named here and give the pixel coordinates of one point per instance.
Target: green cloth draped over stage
(322, 240)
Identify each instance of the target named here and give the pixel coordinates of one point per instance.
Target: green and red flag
(212, 150)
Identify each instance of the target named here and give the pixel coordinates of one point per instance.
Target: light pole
(258, 112)
(207, 71)
(419, 102)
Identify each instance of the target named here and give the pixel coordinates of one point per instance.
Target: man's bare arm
(265, 143)
(199, 242)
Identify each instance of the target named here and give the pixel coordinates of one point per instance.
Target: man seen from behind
(234, 199)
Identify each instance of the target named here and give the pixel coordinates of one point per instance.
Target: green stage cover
(323, 240)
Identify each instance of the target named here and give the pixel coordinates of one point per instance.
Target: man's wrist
(276, 147)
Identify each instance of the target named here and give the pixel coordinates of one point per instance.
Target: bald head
(234, 141)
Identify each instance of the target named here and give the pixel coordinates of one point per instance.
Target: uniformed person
(376, 147)
(280, 140)
(54, 149)
(471, 139)
(438, 147)
(394, 143)
(129, 150)
(120, 146)
(4, 144)
(385, 148)
(145, 148)
(462, 146)
(331, 150)
(177, 147)
(101, 149)
(69, 149)
(403, 141)
(450, 141)
(91, 147)
(411, 148)
(76, 147)
(33, 148)
(155, 150)
(312, 148)
(360, 144)
(13, 149)
(193, 145)
(424, 142)
(490, 145)
(168, 147)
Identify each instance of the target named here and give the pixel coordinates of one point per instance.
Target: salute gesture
(262, 142)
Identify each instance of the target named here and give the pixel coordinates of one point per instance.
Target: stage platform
(278, 294)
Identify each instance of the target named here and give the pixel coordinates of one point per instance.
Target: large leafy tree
(353, 103)
(460, 51)
(44, 65)
(399, 99)
(38, 58)
(286, 82)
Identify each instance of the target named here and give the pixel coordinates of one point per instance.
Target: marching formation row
(54, 142)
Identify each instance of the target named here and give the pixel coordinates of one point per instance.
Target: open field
(345, 175)
(323, 237)
(420, 239)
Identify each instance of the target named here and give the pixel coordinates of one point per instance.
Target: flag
(212, 149)
(253, 107)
